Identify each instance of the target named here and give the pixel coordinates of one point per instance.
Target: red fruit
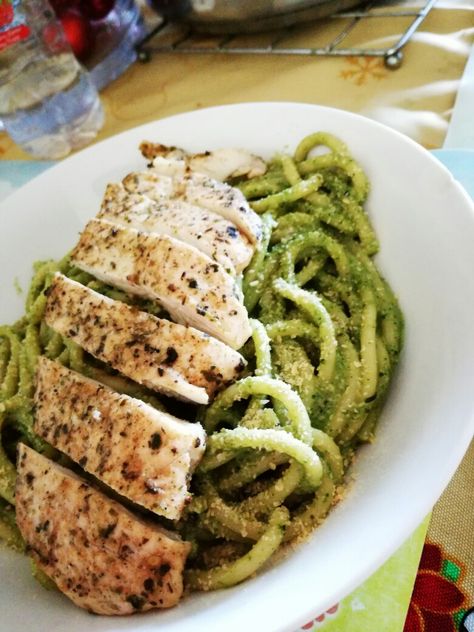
(6, 13)
(97, 9)
(54, 38)
(78, 32)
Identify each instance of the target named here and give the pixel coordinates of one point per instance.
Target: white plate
(425, 222)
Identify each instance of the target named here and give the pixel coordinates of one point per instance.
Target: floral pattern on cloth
(438, 603)
(360, 70)
(313, 624)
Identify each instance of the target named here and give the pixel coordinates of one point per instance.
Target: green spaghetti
(326, 337)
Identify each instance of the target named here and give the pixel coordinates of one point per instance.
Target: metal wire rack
(169, 37)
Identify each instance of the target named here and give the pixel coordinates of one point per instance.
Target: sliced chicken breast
(143, 454)
(225, 200)
(208, 232)
(194, 289)
(150, 150)
(100, 555)
(153, 185)
(220, 164)
(170, 179)
(171, 167)
(167, 357)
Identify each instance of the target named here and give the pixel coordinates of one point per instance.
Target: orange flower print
(361, 69)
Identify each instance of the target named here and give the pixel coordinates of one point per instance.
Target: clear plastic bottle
(48, 103)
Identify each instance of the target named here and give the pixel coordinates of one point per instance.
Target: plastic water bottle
(48, 103)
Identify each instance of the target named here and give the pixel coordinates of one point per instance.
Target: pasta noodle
(326, 336)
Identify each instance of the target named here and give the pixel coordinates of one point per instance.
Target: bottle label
(12, 26)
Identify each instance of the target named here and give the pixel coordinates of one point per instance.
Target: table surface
(417, 99)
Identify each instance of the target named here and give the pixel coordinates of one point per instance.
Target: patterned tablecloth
(418, 100)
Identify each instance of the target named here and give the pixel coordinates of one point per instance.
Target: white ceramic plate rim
(280, 599)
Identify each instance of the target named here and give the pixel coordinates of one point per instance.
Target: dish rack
(168, 37)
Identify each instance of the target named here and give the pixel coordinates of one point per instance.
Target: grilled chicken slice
(169, 179)
(194, 289)
(143, 454)
(220, 164)
(100, 555)
(225, 200)
(150, 150)
(167, 357)
(153, 185)
(208, 232)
